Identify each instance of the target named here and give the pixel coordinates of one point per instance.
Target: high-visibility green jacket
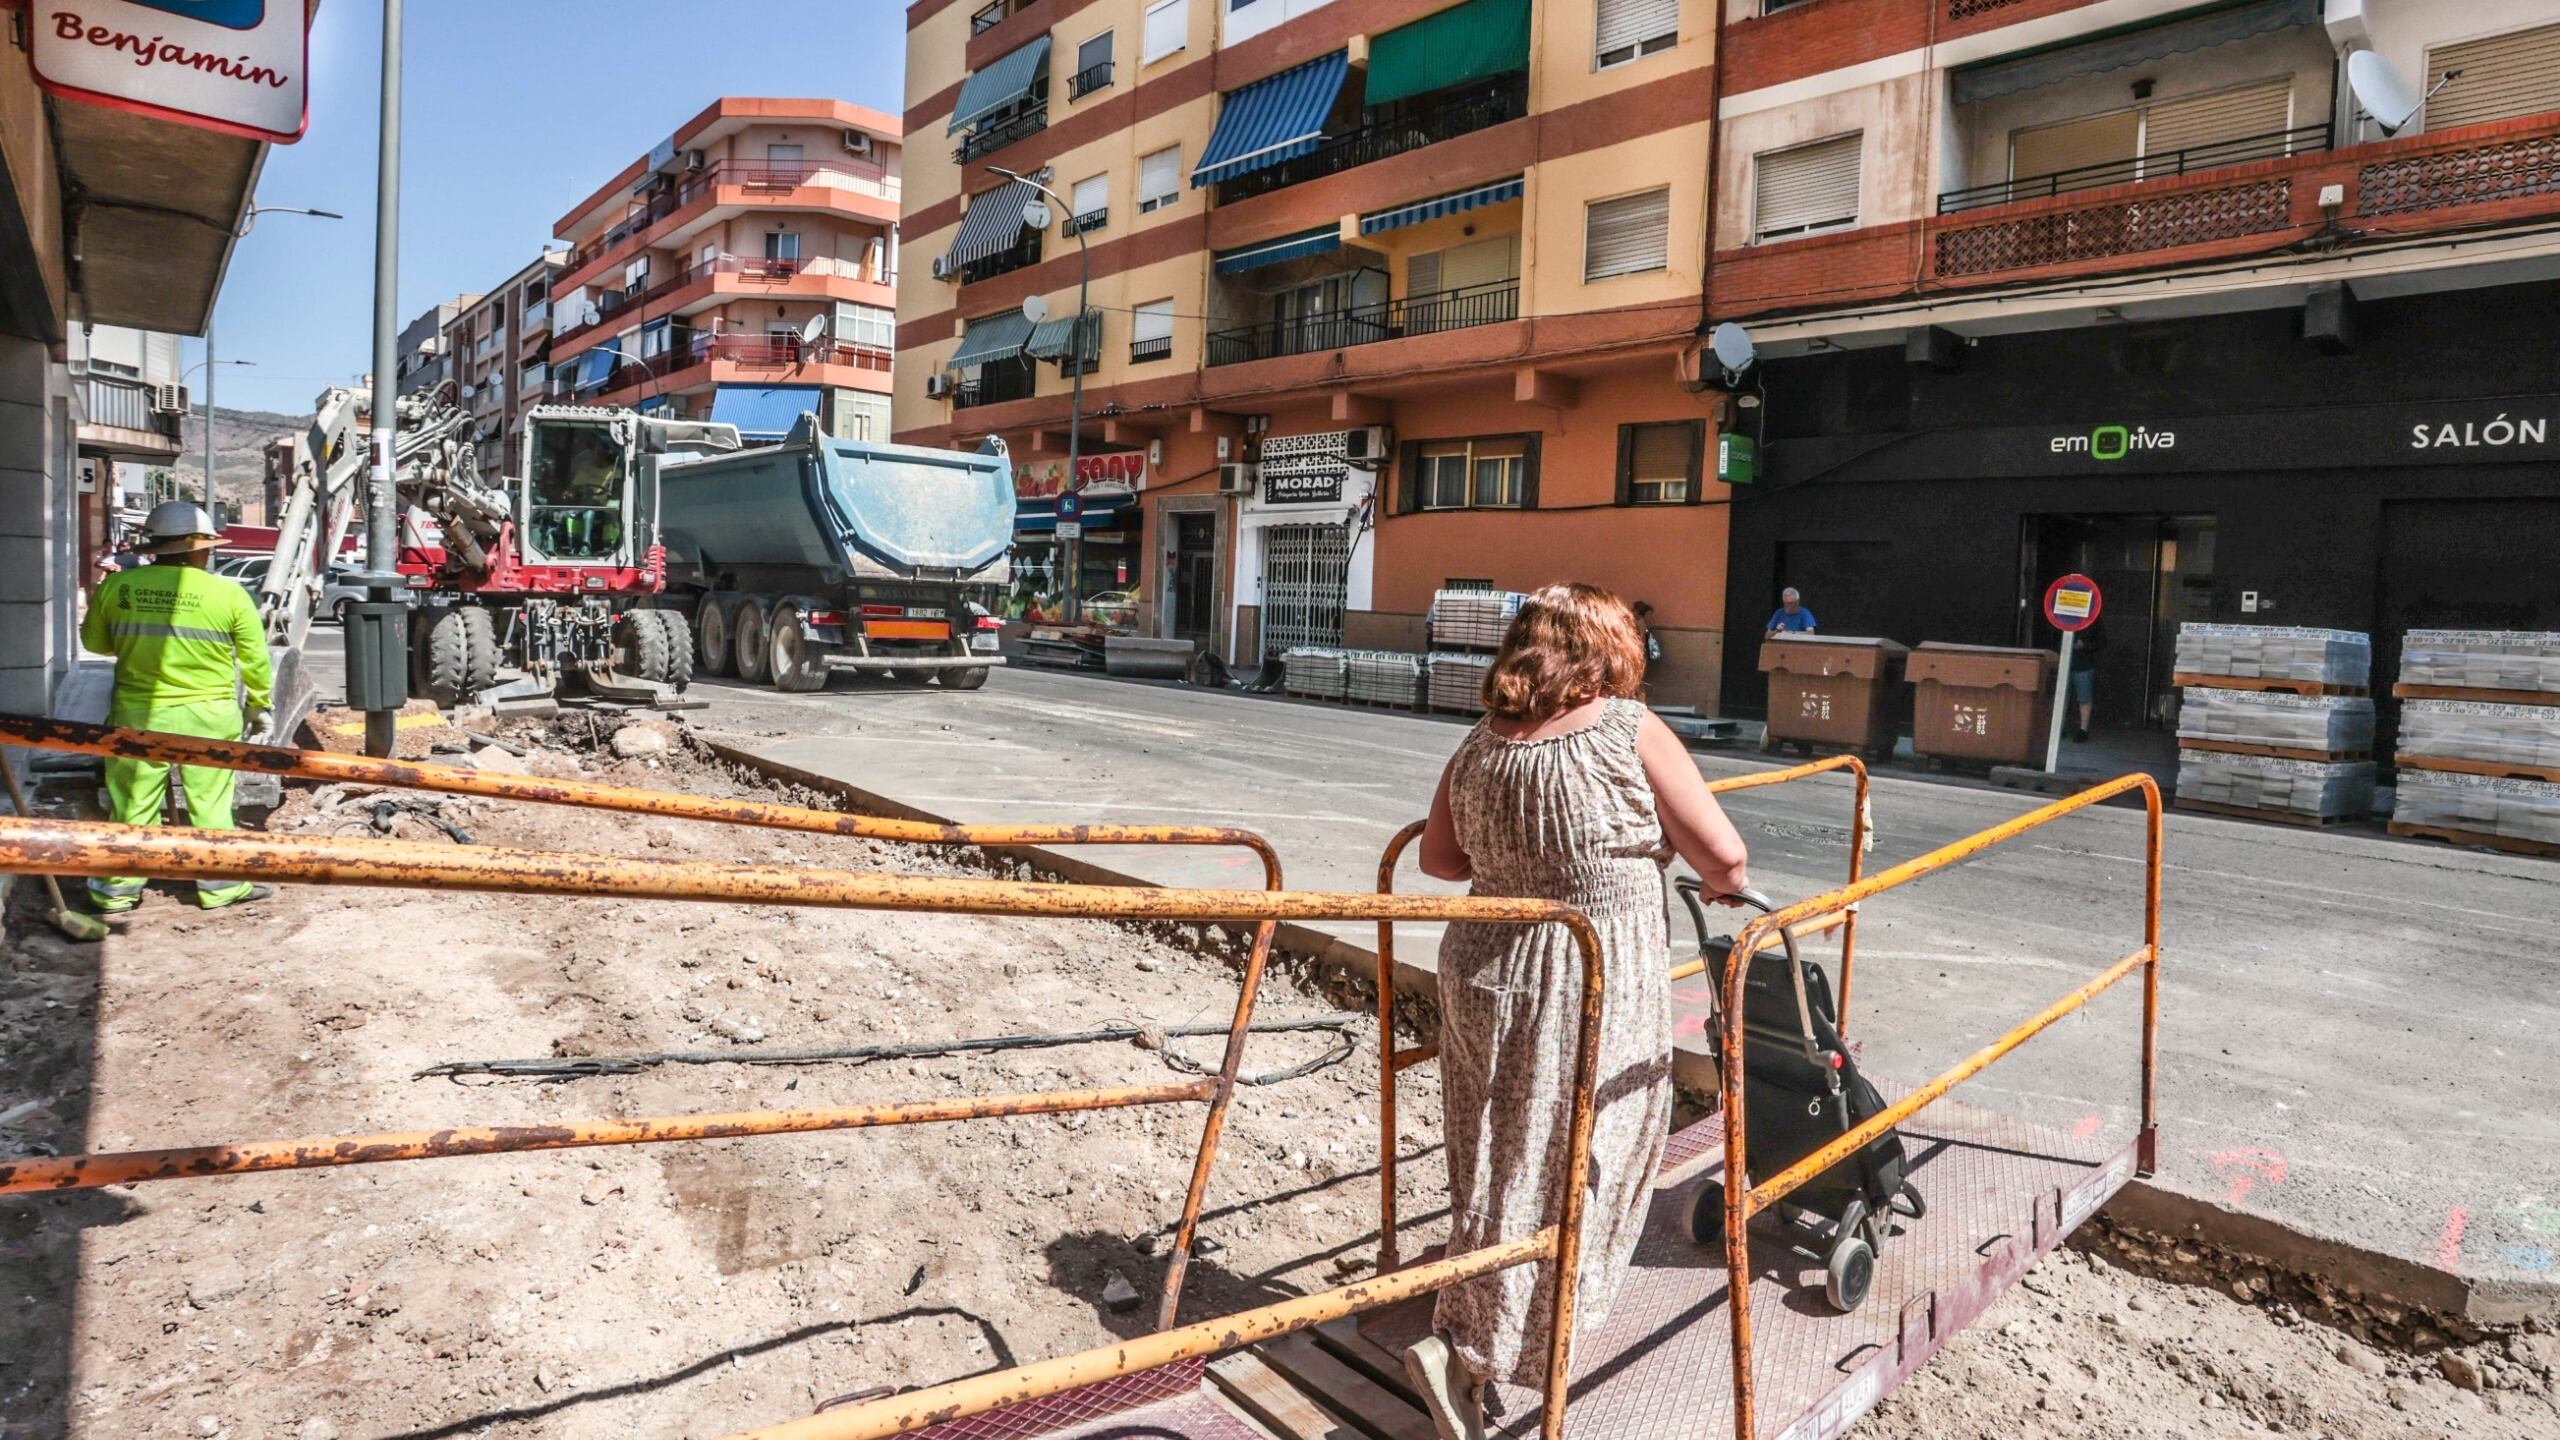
(180, 636)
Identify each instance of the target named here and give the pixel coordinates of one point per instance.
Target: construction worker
(190, 652)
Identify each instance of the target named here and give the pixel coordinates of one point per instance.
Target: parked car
(249, 570)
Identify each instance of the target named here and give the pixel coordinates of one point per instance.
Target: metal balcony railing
(1089, 79)
(993, 135)
(2273, 145)
(123, 405)
(1086, 223)
(987, 17)
(760, 351)
(647, 211)
(1157, 347)
(1025, 251)
(995, 384)
(1490, 303)
(1393, 130)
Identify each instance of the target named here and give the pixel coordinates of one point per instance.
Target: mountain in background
(239, 452)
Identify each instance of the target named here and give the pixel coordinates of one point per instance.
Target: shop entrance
(2156, 573)
(1195, 575)
(1306, 579)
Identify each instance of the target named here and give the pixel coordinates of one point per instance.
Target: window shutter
(2093, 140)
(1096, 51)
(1422, 274)
(1160, 173)
(1529, 472)
(1408, 477)
(2184, 124)
(1697, 461)
(1626, 494)
(1629, 22)
(1091, 193)
(1152, 321)
(2516, 73)
(1812, 187)
(1629, 234)
(1168, 29)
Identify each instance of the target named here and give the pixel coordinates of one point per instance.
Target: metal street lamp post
(1073, 558)
(385, 675)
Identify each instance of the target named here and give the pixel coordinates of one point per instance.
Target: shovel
(84, 928)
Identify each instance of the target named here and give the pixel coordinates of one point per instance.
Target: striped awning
(1273, 119)
(2133, 45)
(1050, 339)
(997, 337)
(1287, 247)
(1438, 205)
(1000, 84)
(993, 224)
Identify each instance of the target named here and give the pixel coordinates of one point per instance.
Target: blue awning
(763, 412)
(595, 367)
(651, 405)
(1439, 205)
(1273, 119)
(999, 85)
(1287, 247)
(993, 224)
(2133, 45)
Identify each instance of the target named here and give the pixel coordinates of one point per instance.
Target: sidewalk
(2339, 1009)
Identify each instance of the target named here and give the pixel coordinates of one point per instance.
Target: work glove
(255, 723)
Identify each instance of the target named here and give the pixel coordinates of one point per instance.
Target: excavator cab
(580, 502)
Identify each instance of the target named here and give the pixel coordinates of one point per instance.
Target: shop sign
(238, 67)
(1115, 470)
(1304, 469)
(1737, 459)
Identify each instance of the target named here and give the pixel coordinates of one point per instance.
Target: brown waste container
(1981, 704)
(1836, 692)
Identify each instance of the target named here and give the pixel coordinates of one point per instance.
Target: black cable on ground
(558, 1070)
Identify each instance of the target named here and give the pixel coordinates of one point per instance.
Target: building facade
(132, 408)
(423, 362)
(743, 270)
(496, 349)
(1385, 296)
(2147, 290)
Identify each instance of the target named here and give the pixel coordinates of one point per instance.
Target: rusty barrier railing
(64, 847)
(1744, 1200)
(111, 742)
(1393, 1062)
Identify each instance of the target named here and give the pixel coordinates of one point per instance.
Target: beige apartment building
(742, 270)
(496, 349)
(1386, 296)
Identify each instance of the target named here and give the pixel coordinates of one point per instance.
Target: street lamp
(248, 222)
(1036, 215)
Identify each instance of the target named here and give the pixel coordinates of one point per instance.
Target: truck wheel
(711, 636)
(640, 646)
(970, 679)
(747, 640)
(791, 659)
(456, 656)
(679, 635)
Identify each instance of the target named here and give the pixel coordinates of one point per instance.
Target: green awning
(1051, 339)
(1464, 42)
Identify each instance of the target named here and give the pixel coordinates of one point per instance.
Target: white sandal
(1447, 1387)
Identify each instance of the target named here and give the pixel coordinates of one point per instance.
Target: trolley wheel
(1706, 1214)
(1851, 1269)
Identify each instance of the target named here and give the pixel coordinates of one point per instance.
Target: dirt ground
(694, 1290)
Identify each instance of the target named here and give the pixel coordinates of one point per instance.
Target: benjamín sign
(239, 67)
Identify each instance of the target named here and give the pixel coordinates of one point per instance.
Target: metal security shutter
(2517, 73)
(2261, 109)
(1306, 579)
(1632, 22)
(2095, 140)
(1812, 187)
(1626, 235)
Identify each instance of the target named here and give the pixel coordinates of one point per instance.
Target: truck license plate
(924, 612)
(984, 641)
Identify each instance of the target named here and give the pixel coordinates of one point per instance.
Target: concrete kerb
(1345, 967)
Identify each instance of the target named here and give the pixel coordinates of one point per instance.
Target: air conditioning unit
(1238, 477)
(937, 386)
(943, 269)
(693, 161)
(1369, 445)
(169, 400)
(857, 143)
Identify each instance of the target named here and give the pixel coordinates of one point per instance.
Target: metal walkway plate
(1166, 1403)
(2001, 1193)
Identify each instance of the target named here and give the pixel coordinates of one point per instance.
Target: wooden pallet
(1329, 1384)
(2508, 843)
(2274, 752)
(2306, 688)
(2499, 769)
(2280, 817)
(2406, 691)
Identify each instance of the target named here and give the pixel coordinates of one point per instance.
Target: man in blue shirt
(1790, 618)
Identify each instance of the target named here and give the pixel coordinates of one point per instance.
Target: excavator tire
(679, 647)
(642, 645)
(456, 654)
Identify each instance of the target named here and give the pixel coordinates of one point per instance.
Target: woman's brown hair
(1569, 644)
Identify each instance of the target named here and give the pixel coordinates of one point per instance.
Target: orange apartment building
(1386, 295)
(743, 270)
(2147, 289)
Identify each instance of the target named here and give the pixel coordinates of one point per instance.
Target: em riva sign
(240, 67)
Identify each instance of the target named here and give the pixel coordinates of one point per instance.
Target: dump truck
(817, 555)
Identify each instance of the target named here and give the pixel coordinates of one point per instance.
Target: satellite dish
(589, 314)
(1034, 309)
(2385, 96)
(1035, 213)
(1732, 346)
(814, 331)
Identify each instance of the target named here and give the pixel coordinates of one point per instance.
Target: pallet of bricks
(2275, 723)
(1466, 628)
(2479, 752)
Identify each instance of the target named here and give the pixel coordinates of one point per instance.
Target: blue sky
(513, 112)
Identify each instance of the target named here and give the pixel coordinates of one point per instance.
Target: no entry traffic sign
(2072, 603)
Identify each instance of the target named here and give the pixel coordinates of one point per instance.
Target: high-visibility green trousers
(138, 790)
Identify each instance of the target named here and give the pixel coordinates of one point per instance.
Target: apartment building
(1385, 296)
(743, 270)
(2186, 297)
(497, 351)
(422, 362)
(133, 406)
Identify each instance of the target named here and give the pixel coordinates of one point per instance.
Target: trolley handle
(1692, 893)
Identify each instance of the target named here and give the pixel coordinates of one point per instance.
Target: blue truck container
(817, 555)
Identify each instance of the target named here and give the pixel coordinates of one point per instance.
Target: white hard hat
(178, 527)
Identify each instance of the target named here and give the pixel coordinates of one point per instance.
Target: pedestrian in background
(1790, 618)
(189, 651)
(1652, 642)
(2085, 649)
(1569, 789)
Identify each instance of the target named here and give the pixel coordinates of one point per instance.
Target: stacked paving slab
(2479, 752)
(2275, 722)
(1466, 628)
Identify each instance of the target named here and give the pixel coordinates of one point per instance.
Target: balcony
(616, 307)
(688, 351)
(1086, 223)
(1025, 251)
(1393, 130)
(536, 319)
(870, 177)
(1490, 303)
(987, 17)
(126, 406)
(1155, 347)
(996, 383)
(995, 133)
(1089, 79)
(2274, 145)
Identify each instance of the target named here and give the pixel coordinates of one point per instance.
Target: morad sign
(235, 66)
